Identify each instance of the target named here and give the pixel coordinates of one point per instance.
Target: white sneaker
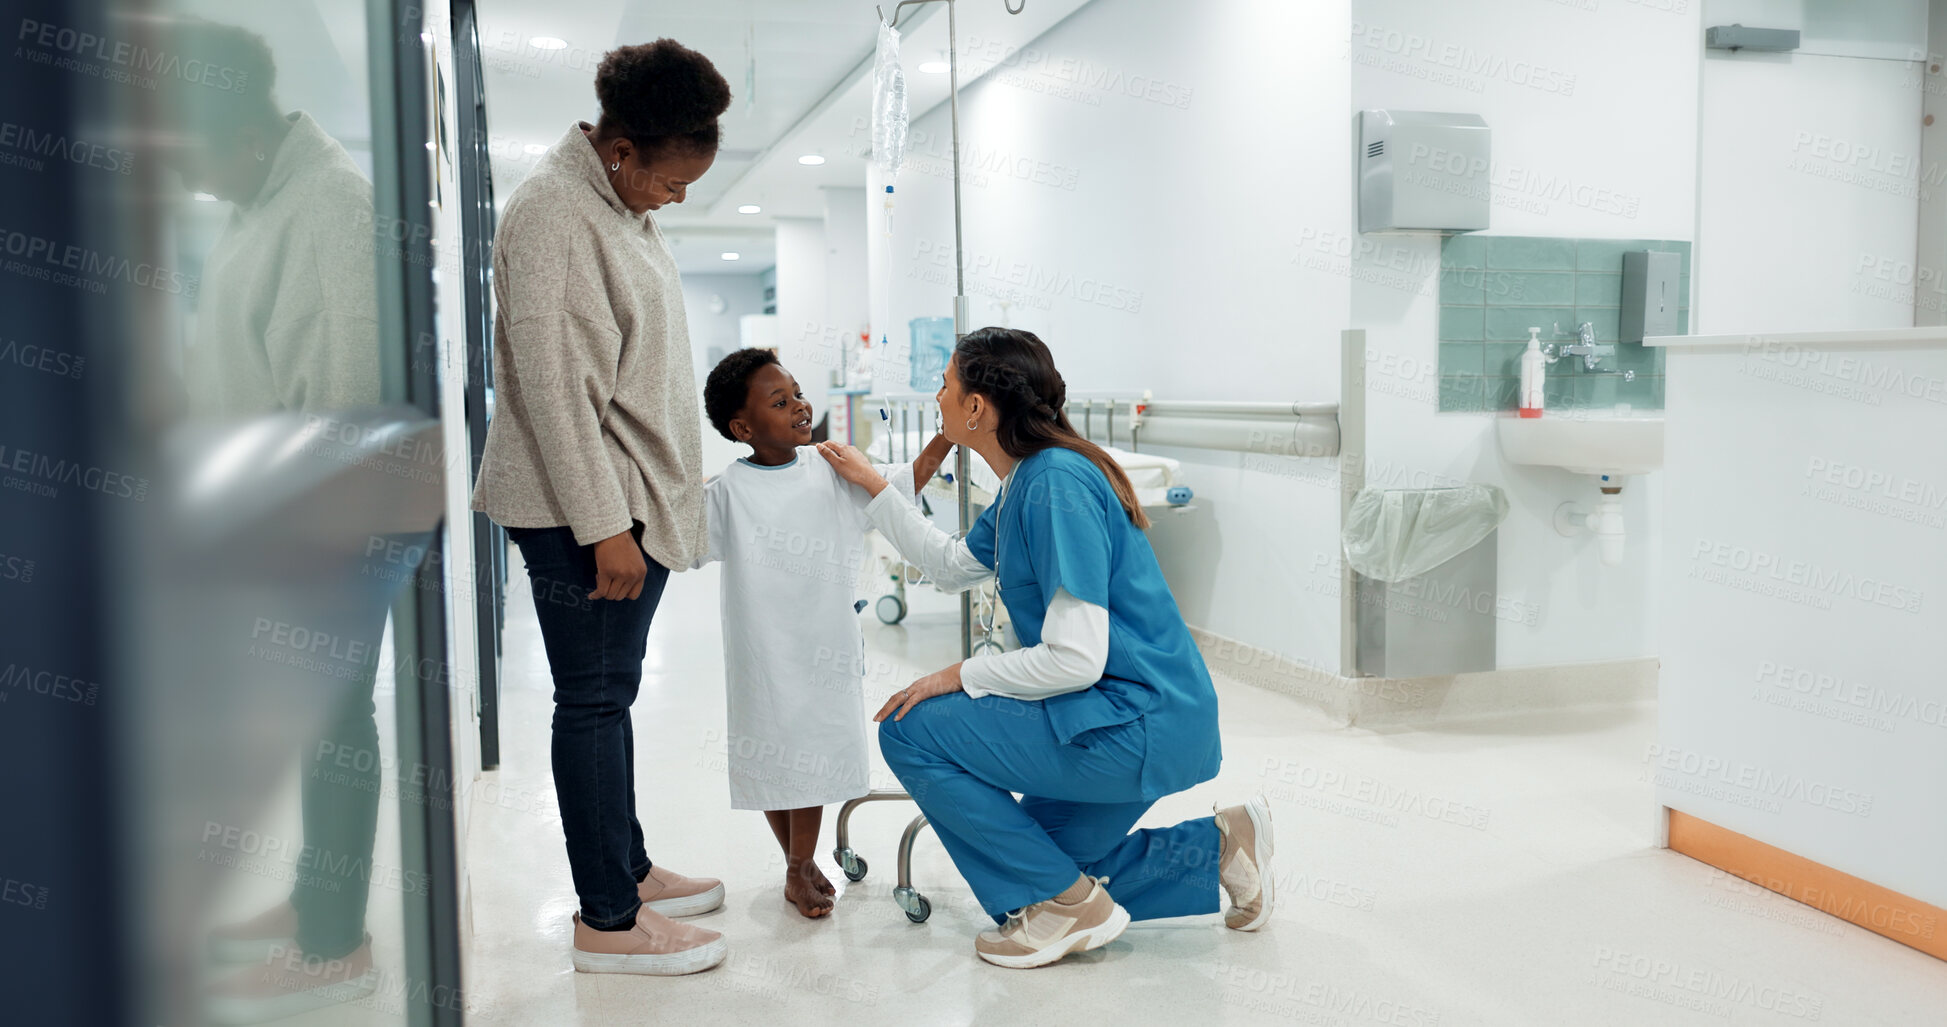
(1048, 931)
(1245, 867)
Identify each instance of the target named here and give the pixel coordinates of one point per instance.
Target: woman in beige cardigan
(593, 464)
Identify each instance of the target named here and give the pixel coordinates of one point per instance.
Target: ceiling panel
(799, 72)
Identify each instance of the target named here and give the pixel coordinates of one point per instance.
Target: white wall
(1810, 173)
(801, 283)
(845, 273)
(1593, 115)
(1802, 701)
(1130, 182)
(742, 294)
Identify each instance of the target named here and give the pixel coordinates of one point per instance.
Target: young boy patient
(791, 535)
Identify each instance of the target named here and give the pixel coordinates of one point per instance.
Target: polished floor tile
(1500, 871)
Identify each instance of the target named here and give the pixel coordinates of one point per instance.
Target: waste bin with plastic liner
(1424, 579)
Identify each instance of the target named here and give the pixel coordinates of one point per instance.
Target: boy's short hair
(728, 387)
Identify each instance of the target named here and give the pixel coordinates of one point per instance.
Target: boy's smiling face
(776, 416)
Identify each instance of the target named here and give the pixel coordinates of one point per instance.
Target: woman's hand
(940, 682)
(852, 466)
(619, 568)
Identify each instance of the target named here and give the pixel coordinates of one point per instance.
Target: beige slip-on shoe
(671, 894)
(1046, 931)
(656, 945)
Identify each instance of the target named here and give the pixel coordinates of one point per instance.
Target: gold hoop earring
(971, 425)
(617, 166)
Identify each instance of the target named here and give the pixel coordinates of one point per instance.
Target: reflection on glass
(271, 784)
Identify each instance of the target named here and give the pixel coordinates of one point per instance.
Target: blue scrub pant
(961, 759)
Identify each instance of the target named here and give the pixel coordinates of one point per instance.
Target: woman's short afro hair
(661, 92)
(728, 388)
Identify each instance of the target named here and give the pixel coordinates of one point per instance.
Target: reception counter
(1803, 621)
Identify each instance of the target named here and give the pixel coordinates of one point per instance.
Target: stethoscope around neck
(1000, 501)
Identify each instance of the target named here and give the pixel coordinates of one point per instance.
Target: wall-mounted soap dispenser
(1422, 171)
(1652, 285)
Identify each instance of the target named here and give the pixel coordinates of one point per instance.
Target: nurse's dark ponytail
(1016, 373)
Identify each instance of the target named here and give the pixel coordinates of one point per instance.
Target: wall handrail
(1285, 428)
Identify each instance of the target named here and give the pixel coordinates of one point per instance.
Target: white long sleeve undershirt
(1074, 645)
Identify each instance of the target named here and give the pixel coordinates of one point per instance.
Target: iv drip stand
(961, 312)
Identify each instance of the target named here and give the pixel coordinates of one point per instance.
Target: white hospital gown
(792, 539)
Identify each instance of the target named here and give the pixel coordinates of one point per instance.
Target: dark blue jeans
(595, 651)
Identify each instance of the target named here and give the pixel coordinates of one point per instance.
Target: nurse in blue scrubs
(1106, 708)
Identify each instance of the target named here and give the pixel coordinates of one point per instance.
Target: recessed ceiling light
(732, 255)
(547, 43)
(534, 149)
(811, 160)
(750, 208)
(205, 197)
(933, 67)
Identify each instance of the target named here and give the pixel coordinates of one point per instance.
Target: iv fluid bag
(889, 115)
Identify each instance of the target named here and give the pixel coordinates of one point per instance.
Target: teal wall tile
(1598, 289)
(1538, 289)
(1634, 356)
(1460, 285)
(1511, 324)
(1597, 391)
(1503, 358)
(1558, 392)
(1530, 253)
(1501, 286)
(1461, 324)
(1464, 251)
(1602, 319)
(1470, 393)
(1493, 287)
(1602, 254)
(1646, 392)
(1463, 393)
(1457, 358)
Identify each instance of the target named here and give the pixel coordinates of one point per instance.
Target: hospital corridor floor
(1492, 871)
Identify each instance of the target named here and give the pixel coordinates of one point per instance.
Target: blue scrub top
(1058, 524)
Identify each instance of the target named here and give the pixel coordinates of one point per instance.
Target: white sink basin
(1587, 442)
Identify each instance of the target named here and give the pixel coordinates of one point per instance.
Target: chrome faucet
(1585, 347)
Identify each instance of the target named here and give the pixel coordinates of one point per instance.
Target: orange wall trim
(1861, 903)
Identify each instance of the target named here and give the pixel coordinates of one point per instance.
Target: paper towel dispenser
(1422, 171)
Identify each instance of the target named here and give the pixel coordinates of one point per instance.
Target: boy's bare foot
(802, 889)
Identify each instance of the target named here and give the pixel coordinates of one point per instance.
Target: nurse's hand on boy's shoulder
(852, 465)
(940, 682)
